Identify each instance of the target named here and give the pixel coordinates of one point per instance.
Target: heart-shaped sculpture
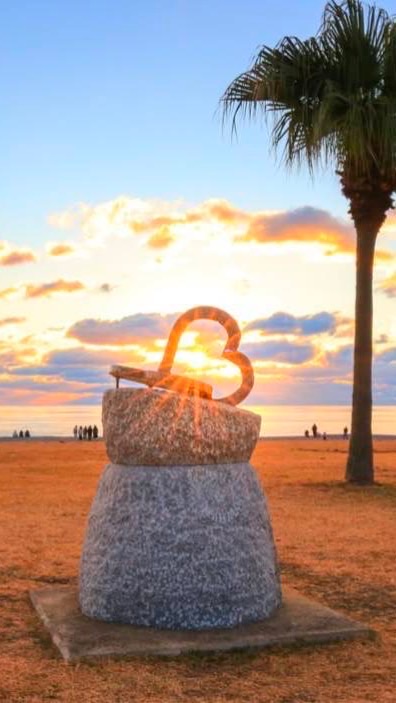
(163, 378)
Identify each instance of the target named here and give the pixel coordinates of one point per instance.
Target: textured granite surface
(147, 427)
(186, 547)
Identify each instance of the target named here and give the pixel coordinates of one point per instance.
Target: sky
(125, 201)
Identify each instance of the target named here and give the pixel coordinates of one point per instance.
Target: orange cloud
(161, 239)
(220, 210)
(17, 256)
(164, 222)
(140, 226)
(47, 289)
(60, 249)
(124, 215)
(305, 224)
(6, 292)
(224, 212)
(12, 321)
(384, 255)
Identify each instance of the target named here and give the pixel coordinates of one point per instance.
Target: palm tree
(333, 102)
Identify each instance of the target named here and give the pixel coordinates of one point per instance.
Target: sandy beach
(335, 544)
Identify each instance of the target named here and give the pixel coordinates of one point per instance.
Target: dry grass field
(336, 543)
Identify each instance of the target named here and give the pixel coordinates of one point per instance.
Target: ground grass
(336, 543)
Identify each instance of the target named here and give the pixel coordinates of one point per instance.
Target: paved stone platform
(298, 621)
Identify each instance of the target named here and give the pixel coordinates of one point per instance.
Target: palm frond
(331, 98)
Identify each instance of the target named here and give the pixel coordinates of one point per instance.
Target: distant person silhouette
(85, 432)
(306, 433)
(345, 434)
(95, 432)
(80, 432)
(314, 430)
(27, 434)
(324, 435)
(89, 432)
(20, 434)
(75, 431)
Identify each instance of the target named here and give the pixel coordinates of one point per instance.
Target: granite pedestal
(179, 547)
(179, 535)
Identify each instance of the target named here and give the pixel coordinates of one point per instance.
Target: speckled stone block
(147, 427)
(181, 547)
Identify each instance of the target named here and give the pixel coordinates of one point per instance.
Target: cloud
(305, 224)
(224, 212)
(388, 286)
(286, 372)
(87, 358)
(47, 289)
(105, 288)
(79, 365)
(9, 357)
(326, 380)
(285, 323)
(6, 292)
(384, 377)
(67, 219)
(148, 224)
(161, 239)
(17, 256)
(161, 223)
(42, 290)
(12, 321)
(218, 210)
(82, 357)
(47, 395)
(213, 209)
(124, 215)
(112, 217)
(60, 248)
(129, 330)
(281, 352)
(342, 358)
(388, 356)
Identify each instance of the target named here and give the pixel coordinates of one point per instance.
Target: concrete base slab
(299, 620)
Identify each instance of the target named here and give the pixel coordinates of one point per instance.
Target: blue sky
(100, 98)
(123, 199)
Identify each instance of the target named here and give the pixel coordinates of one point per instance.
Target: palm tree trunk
(360, 468)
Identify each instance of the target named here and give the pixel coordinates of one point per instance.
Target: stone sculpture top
(179, 535)
(163, 378)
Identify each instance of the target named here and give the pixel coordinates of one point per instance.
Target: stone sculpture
(179, 535)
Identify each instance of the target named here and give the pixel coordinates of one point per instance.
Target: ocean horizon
(276, 420)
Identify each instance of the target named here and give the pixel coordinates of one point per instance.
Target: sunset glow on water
(277, 420)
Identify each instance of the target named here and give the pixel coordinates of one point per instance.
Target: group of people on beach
(21, 434)
(85, 432)
(316, 434)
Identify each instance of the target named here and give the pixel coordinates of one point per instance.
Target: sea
(277, 420)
